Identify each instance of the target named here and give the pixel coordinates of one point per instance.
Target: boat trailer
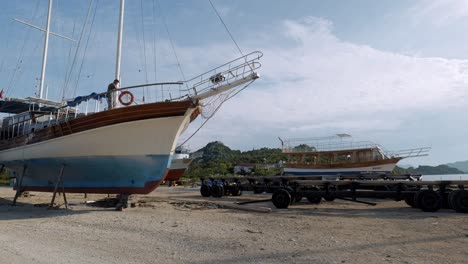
(429, 196)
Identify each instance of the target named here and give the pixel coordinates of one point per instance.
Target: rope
(221, 19)
(20, 57)
(7, 45)
(214, 112)
(144, 41)
(172, 45)
(85, 49)
(68, 78)
(154, 50)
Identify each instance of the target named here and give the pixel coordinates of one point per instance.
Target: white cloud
(321, 84)
(439, 12)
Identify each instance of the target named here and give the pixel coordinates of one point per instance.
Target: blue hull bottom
(94, 174)
(335, 173)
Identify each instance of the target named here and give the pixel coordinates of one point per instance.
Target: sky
(392, 72)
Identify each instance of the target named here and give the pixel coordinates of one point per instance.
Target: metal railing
(409, 153)
(230, 72)
(226, 75)
(331, 146)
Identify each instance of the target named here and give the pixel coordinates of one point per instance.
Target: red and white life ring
(126, 98)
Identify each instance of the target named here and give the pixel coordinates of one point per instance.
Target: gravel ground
(176, 225)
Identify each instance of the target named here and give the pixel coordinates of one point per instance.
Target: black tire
(259, 188)
(330, 197)
(235, 190)
(298, 198)
(281, 199)
(450, 199)
(445, 200)
(205, 190)
(314, 198)
(459, 200)
(410, 201)
(428, 200)
(217, 191)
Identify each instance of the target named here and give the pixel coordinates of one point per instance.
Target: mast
(46, 46)
(119, 40)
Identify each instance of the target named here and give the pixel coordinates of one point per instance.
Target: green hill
(428, 170)
(219, 159)
(461, 165)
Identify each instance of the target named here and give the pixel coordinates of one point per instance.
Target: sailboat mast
(46, 46)
(119, 40)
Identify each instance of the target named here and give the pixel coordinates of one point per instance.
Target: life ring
(126, 98)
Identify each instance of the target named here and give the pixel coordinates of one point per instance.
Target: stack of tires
(220, 188)
(432, 201)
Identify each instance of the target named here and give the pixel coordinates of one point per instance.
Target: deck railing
(226, 76)
(331, 146)
(409, 153)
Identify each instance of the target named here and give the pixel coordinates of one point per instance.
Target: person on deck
(111, 89)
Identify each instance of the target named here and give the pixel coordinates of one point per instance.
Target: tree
(304, 148)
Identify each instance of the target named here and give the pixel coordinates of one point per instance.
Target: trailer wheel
(281, 199)
(314, 198)
(205, 190)
(445, 201)
(330, 197)
(235, 190)
(410, 201)
(450, 199)
(428, 200)
(217, 191)
(259, 188)
(459, 200)
(298, 198)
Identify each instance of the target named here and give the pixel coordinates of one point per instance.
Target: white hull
(145, 137)
(180, 164)
(369, 169)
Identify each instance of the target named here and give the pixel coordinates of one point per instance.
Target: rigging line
(26, 61)
(214, 112)
(68, 78)
(7, 45)
(138, 38)
(20, 57)
(221, 19)
(86, 48)
(145, 90)
(155, 48)
(172, 45)
(68, 64)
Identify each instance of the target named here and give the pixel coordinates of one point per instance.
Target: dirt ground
(176, 225)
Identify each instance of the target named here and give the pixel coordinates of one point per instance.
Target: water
(446, 177)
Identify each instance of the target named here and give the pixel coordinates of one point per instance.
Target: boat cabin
(26, 116)
(335, 157)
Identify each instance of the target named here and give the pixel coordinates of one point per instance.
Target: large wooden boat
(94, 149)
(338, 155)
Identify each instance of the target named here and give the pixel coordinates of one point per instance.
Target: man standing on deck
(111, 89)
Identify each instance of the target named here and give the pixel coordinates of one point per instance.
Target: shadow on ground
(337, 208)
(24, 210)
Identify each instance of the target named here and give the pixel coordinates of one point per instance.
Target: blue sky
(394, 72)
